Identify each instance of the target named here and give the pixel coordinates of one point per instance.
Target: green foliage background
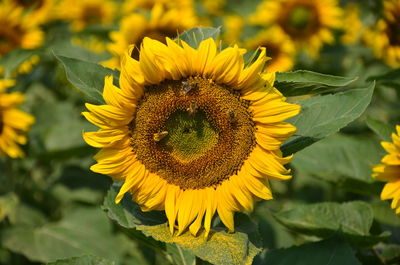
(53, 210)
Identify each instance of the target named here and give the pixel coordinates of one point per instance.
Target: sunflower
(192, 132)
(233, 28)
(41, 10)
(133, 28)
(16, 30)
(129, 6)
(308, 23)
(279, 47)
(353, 32)
(13, 122)
(389, 171)
(83, 13)
(384, 38)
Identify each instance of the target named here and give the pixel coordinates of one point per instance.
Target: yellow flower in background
(130, 6)
(83, 13)
(16, 30)
(279, 47)
(162, 23)
(192, 132)
(91, 43)
(389, 171)
(41, 11)
(353, 27)
(308, 23)
(233, 28)
(14, 123)
(213, 7)
(384, 38)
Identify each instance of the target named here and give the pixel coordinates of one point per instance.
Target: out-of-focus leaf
(383, 130)
(83, 231)
(8, 204)
(388, 253)
(390, 78)
(354, 219)
(59, 126)
(345, 160)
(86, 76)
(194, 36)
(180, 256)
(322, 116)
(84, 260)
(304, 82)
(219, 248)
(66, 49)
(385, 214)
(332, 251)
(86, 195)
(12, 60)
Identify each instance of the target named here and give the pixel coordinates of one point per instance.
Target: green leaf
(354, 219)
(352, 157)
(324, 115)
(219, 248)
(84, 260)
(383, 130)
(180, 256)
(384, 214)
(388, 253)
(332, 251)
(304, 82)
(83, 231)
(59, 125)
(12, 60)
(86, 76)
(8, 205)
(194, 36)
(390, 78)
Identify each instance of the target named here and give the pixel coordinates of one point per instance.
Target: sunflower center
(156, 34)
(92, 14)
(10, 37)
(193, 133)
(393, 33)
(190, 135)
(300, 17)
(300, 21)
(30, 3)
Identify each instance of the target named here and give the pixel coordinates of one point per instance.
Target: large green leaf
(219, 248)
(324, 115)
(344, 160)
(354, 219)
(304, 82)
(332, 251)
(83, 231)
(88, 77)
(84, 260)
(194, 36)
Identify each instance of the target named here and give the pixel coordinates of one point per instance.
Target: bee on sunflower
(14, 123)
(193, 132)
(389, 171)
(308, 23)
(384, 37)
(133, 28)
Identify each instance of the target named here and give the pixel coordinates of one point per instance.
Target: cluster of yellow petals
(191, 208)
(14, 123)
(389, 171)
